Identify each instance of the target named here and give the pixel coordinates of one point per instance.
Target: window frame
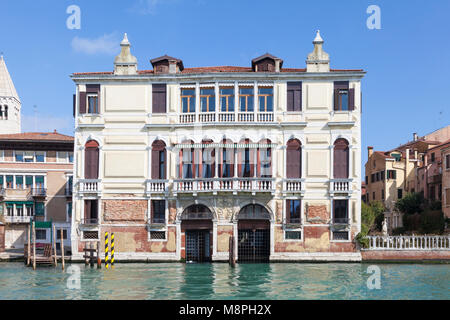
(247, 96)
(90, 95)
(189, 98)
(228, 98)
(266, 97)
(208, 97)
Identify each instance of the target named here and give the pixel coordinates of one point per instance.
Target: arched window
(159, 160)
(91, 157)
(197, 212)
(254, 211)
(264, 162)
(187, 170)
(226, 167)
(246, 162)
(293, 159)
(341, 159)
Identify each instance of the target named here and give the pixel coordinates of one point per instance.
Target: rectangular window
(29, 210)
(208, 162)
(9, 182)
(187, 163)
(340, 235)
(293, 235)
(19, 156)
(58, 234)
(340, 211)
(91, 211)
(39, 182)
(19, 182)
(207, 100)
(246, 99)
(40, 209)
(90, 235)
(40, 156)
(28, 156)
(9, 210)
(157, 235)
(447, 161)
(372, 177)
(1, 182)
(159, 98)
(226, 99)
(447, 197)
(294, 96)
(343, 96)
(367, 180)
(227, 160)
(61, 157)
(265, 98)
(92, 102)
(382, 194)
(158, 211)
(293, 212)
(71, 157)
(399, 193)
(265, 163)
(433, 157)
(392, 174)
(188, 100)
(19, 210)
(69, 211)
(41, 234)
(162, 164)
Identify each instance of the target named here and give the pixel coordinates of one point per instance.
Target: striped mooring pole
(112, 249)
(106, 251)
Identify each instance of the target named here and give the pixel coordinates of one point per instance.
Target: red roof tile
(37, 136)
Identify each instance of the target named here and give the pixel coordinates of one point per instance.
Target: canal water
(220, 281)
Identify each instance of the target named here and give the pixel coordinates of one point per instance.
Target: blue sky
(406, 88)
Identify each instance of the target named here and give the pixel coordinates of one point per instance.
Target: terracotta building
(177, 160)
(35, 184)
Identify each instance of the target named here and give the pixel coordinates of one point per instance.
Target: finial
(318, 38)
(125, 41)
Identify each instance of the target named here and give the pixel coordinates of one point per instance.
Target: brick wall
(2, 238)
(393, 255)
(317, 214)
(124, 210)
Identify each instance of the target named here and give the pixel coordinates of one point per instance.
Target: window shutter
(252, 164)
(293, 160)
(74, 104)
(91, 163)
(336, 99)
(351, 99)
(239, 164)
(82, 102)
(341, 160)
(298, 99)
(87, 209)
(288, 211)
(290, 100)
(155, 164)
(159, 98)
(294, 94)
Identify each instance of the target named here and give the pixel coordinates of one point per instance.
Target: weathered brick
(124, 210)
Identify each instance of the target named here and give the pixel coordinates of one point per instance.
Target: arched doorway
(197, 226)
(253, 234)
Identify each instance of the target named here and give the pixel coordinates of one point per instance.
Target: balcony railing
(340, 185)
(207, 117)
(409, 243)
(157, 186)
(18, 219)
(187, 118)
(229, 117)
(224, 184)
(293, 185)
(292, 222)
(38, 192)
(226, 117)
(89, 186)
(340, 220)
(89, 221)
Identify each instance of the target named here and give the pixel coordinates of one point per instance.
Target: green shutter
(29, 180)
(19, 180)
(39, 209)
(39, 179)
(9, 178)
(1, 181)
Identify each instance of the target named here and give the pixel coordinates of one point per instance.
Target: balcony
(342, 221)
(39, 192)
(343, 186)
(18, 219)
(292, 223)
(293, 186)
(86, 221)
(89, 186)
(224, 184)
(227, 117)
(157, 186)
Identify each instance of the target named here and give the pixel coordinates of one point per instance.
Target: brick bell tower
(10, 105)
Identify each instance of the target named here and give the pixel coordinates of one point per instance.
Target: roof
(166, 57)
(38, 136)
(265, 56)
(7, 88)
(217, 69)
(440, 145)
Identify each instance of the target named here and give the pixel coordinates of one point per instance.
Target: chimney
(318, 60)
(173, 66)
(277, 65)
(415, 137)
(369, 152)
(125, 63)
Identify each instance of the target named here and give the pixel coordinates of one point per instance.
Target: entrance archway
(253, 234)
(197, 226)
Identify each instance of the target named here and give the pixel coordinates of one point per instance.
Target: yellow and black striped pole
(112, 249)
(106, 251)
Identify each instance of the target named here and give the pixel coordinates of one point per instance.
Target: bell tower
(10, 104)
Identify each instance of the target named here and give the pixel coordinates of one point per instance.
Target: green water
(220, 281)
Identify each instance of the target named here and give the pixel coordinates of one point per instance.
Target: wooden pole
(91, 254)
(34, 247)
(99, 260)
(62, 248)
(54, 244)
(29, 245)
(232, 259)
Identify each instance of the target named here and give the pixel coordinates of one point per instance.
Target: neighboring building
(10, 104)
(445, 154)
(35, 184)
(412, 167)
(364, 192)
(177, 160)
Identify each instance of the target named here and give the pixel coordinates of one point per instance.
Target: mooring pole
(34, 247)
(112, 250)
(231, 258)
(54, 244)
(29, 245)
(99, 260)
(62, 248)
(91, 254)
(106, 251)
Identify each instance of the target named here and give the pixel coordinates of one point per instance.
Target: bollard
(106, 251)
(112, 249)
